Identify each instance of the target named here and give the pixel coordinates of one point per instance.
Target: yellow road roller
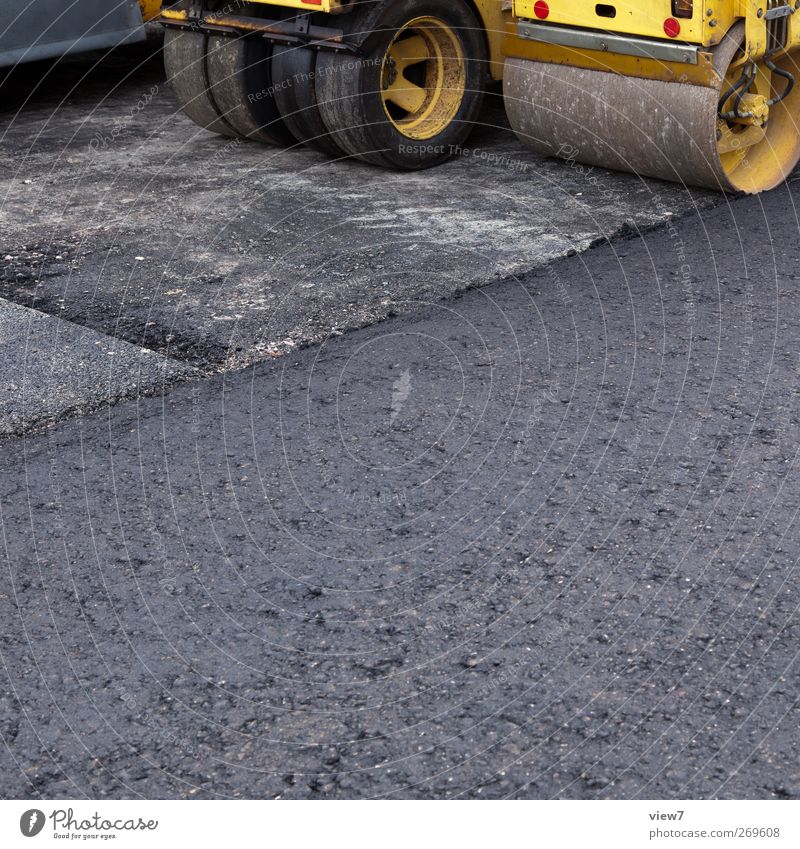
(698, 91)
(397, 83)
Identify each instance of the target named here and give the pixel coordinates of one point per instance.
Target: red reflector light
(541, 10)
(672, 27)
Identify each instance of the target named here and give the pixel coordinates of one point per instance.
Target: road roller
(396, 83)
(701, 92)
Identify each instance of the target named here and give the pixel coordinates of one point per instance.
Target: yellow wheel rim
(755, 157)
(423, 78)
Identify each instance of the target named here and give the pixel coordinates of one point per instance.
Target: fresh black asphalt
(538, 540)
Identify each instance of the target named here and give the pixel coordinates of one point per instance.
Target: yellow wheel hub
(759, 150)
(423, 78)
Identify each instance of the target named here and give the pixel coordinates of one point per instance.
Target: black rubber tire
(240, 79)
(185, 65)
(348, 90)
(293, 76)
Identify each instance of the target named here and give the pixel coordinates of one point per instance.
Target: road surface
(536, 540)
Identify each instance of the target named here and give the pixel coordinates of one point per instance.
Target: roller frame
(293, 32)
(493, 15)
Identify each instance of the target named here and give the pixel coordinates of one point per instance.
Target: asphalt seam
(58, 370)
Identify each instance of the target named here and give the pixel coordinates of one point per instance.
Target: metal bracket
(783, 11)
(607, 42)
(776, 16)
(295, 32)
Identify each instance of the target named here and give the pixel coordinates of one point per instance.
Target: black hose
(787, 75)
(739, 88)
(741, 93)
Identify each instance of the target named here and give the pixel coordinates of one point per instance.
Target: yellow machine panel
(697, 22)
(150, 9)
(644, 18)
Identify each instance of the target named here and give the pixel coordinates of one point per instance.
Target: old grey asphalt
(121, 216)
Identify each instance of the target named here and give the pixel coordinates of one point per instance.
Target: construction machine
(698, 92)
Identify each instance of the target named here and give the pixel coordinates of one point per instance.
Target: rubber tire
(185, 65)
(240, 80)
(348, 90)
(293, 76)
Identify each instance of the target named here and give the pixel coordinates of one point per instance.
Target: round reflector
(541, 10)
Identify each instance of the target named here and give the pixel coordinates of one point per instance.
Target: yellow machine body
(150, 9)
(706, 27)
